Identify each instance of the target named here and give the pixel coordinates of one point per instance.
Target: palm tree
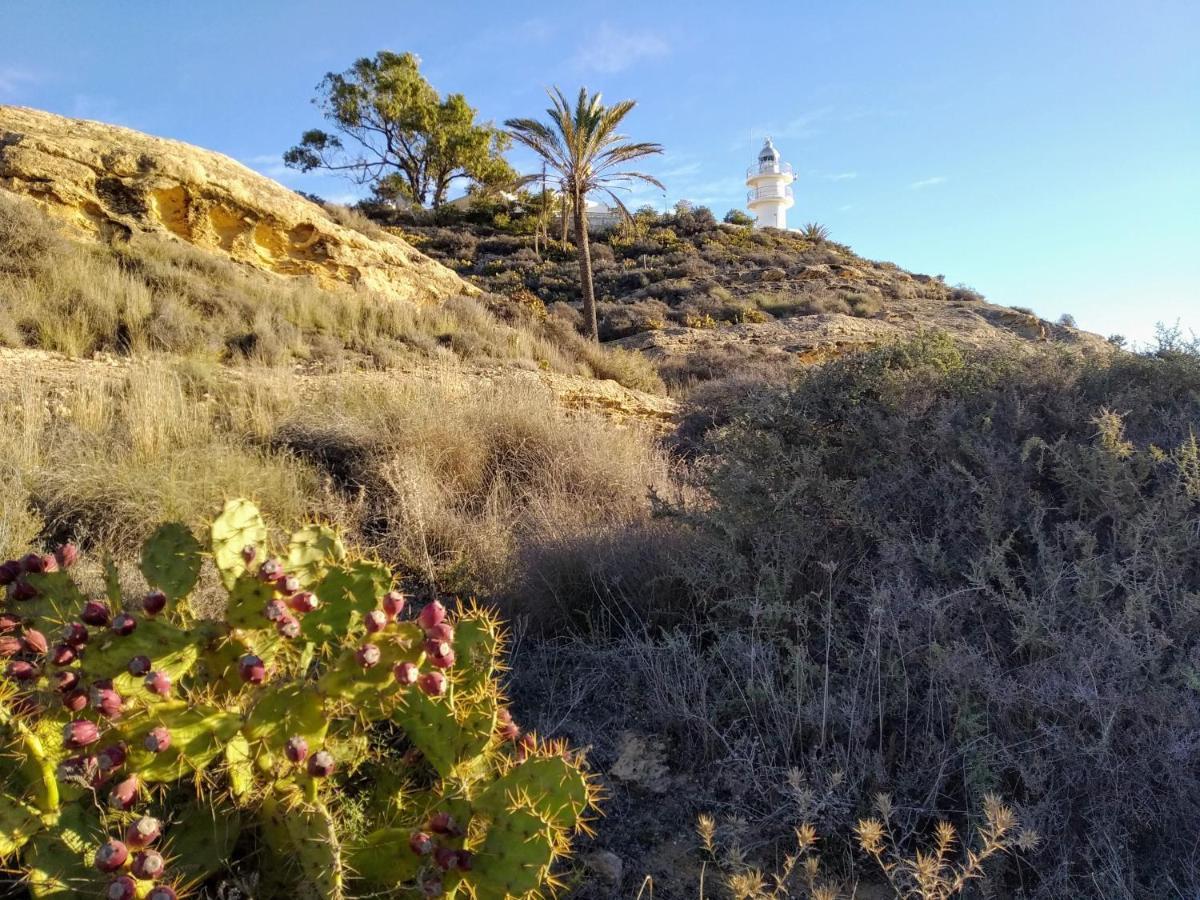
(583, 147)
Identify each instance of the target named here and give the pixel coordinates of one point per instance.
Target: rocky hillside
(109, 181)
(705, 299)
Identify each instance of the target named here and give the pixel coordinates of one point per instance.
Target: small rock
(607, 865)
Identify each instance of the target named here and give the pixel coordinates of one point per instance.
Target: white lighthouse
(770, 194)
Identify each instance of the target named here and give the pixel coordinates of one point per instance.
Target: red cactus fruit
(66, 681)
(288, 585)
(432, 684)
(10, 571)
(49, 562)
(445, 858)
(124, 794)
(33, 563)
(443, 631)
(10, 646)
(275, 610)
(505, 726)
(143, 832)
(158, 740)
(123, 624)
(393, 603)
(443, 823)
(75, 634)
(111, 758)
(148, 865)
(252, 669)
(432, 887)
(139, 666)
(406, 673)
(63, 655)
(303, 602)
(111, 855)
(270, 569)
(154, 603)
(162, 892)
(158, 683)
(368, 656)
(35, 641)
(9, 623)
(80, 733)
(288, 627)
(95, 612)
(420, 843)
(66, 555)
(431, 615)
(376, 620)
(106, 701)
(122, 887)
(464, 861)
(21, 590)
(437, 648)
(19, 670)
(248, 553)
(321, 764)
(296, 749)
(443, 662)
(76, 700)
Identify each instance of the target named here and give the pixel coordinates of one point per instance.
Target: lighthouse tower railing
(769, 192)
(769, 168)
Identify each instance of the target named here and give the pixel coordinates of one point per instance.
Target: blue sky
(1046, 153)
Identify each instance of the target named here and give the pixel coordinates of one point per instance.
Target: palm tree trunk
(583, 245)
(564, 220)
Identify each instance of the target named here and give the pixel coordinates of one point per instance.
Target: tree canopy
(392, 130)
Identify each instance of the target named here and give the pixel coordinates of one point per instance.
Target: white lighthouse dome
(768, 154)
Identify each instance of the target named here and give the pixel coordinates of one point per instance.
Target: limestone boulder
(110, 182)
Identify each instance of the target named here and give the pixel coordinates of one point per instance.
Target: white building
(770, 194)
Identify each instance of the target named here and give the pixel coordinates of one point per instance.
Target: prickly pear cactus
(320, 731)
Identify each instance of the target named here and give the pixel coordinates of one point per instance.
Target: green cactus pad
(58, 601)
(239, 767)
(347, 593)
(383, 857)
(280, 713)
(171, 560)
(556, 788)
(19, 822)
(515, 857)
(168, 647)
(304, 838)
(247, 598)
(112, 583)
(311, 551)
(58, 859)
(476, 648)
(201, 837)
(198, 734)
(240, 525)
(451, 740)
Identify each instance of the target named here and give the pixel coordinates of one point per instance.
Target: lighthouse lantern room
(770, 184)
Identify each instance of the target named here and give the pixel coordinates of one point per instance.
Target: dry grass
(160, 296)
(451, 479)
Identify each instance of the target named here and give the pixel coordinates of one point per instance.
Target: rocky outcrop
(110, 182)
(808, 339)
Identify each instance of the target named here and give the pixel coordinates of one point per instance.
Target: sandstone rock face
(111, 182)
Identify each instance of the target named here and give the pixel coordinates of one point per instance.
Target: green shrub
(961, 571)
